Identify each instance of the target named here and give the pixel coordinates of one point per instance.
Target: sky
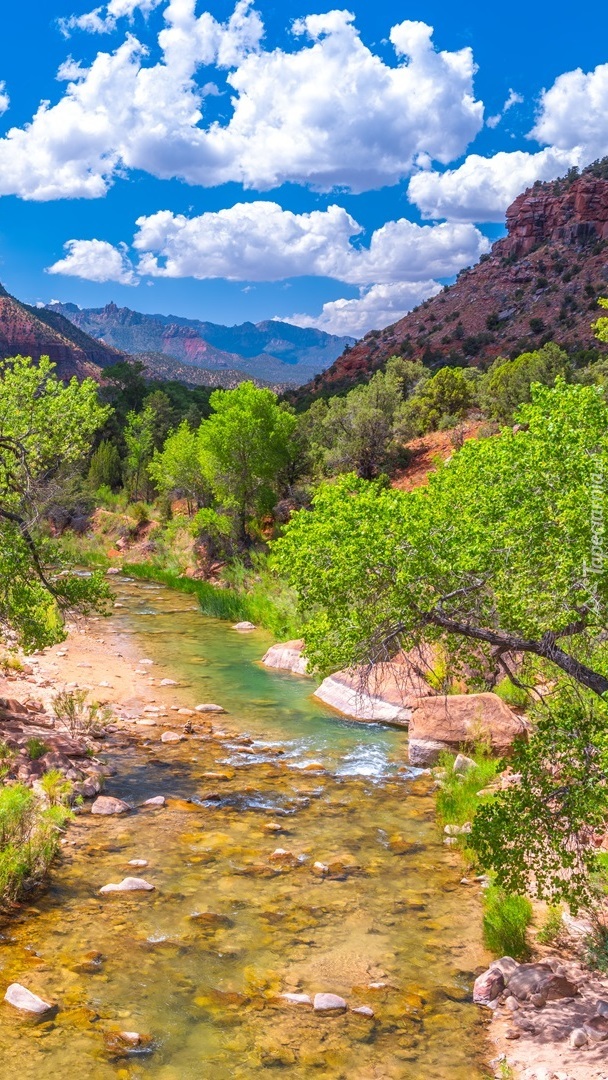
(235, 160)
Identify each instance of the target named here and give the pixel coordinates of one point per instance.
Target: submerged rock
(128, 884)
(21, 998)
(210, 708)
(329, 1003)
(244, 626)
(106, 804)
(296, 999)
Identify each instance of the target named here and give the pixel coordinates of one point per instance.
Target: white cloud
(330, 113)
(374, 309)
(98, 22)
(513, 99)
(574, 113)
(95, 260)
(481, 189)
(4, 98)
(259, 241)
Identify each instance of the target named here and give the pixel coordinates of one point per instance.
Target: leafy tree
(497, 553)
(601, 325)
(450, 392)
(45, 426)
(245, 449)
(139, 439)
(105, 468)
(508, 383)
(176, 469)
(164, 415)
(536, 835)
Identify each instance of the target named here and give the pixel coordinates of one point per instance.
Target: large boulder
(382, 693)
(457, 720)
(287, 657)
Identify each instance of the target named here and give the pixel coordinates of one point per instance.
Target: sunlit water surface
(206, 988)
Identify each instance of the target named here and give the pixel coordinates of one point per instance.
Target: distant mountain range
(540, 283)
(186, 349)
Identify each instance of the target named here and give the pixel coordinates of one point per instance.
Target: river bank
(383, 921)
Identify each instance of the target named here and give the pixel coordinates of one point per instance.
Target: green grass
(256, 606)
(552, 926)
(458, 797)
(512, 694)
(36, 748)
(505, 922)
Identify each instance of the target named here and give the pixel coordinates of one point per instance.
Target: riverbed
(240, 914)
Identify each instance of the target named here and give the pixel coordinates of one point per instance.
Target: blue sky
(242, 159)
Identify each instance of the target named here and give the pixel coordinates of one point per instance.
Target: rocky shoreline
(534, 1040)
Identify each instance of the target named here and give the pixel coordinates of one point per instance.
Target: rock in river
(210, 708)
(128, 884)
(22, 998)
(105, 804)
(171, 736)
(329, 1003)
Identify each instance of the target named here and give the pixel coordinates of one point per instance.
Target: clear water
(198, 964)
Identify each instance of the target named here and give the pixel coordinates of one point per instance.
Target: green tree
(601, 325)
(497, 553)
(176, 469)
(45, 426)
(164, 415)
(449, 393)
(105, 468)
(139, 439)
(508, 383)
(246, 449)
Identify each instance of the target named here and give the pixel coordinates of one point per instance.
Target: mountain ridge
(539, 283)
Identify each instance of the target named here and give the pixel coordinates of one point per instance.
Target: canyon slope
(272, 351)
(35, 332)
(540, 283)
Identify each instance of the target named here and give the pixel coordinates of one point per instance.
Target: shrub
(29, 838)
(505, 922)
(552, 926)
(56, 788)
(36, 748)
(77, 715)
(458, 796)
(511, 694)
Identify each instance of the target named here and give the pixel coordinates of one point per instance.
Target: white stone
(171, 737)
(138, 862)
(577, 1038)
(157, 800)
(329, 1003)
(297, 999)
(22, 998)
(185, 712)
(364, 1010)
(244, 626)
(168, 682)
(147, 662)
(105, 804)
(210, 708)
(463, 764)
(128, 884)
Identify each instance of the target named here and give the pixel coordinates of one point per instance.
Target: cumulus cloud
(574, 113)
(375, 308)
(102, 20)
(329, 113)
(513, 99)
(4, 98)
(260, 241)
(96, 260)
(481, 189)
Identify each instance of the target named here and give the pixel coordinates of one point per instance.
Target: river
(198, 964)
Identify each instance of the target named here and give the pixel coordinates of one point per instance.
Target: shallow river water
(198, 964)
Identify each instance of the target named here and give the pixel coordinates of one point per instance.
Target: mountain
(36, 332)
(540, 283)
(274, 352)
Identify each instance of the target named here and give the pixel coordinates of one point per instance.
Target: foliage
(176, 469)
(552, 926)
(508, 383)
(488, 558)
(600, 327)
(450, 392)
(36, 748)
(105, 469)
(458, 796)
(45, 426)
(505, 922)
(29, 839)
(536, 835)
(139, 439)
(511, 694)
(56, 788)
(245, 446)
(77, 715)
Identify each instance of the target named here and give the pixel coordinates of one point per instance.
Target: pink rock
(105, 804)
(329, 1003)
(128, 884)
(22, 998)
(488, 987)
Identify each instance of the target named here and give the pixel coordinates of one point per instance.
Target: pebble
(171, 737)
(364, 1010)
(22, 998)
(297, 999)
(185, 712)
(168, 682)
(244, 626)
(146, 662)
(157, 800)
(578, 1038)
(210, 708)
(137, 862)
(128, 884)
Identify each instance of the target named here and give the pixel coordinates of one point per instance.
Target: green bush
(29, 839)
(35, 748)
(505, 922)
(552, 926)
